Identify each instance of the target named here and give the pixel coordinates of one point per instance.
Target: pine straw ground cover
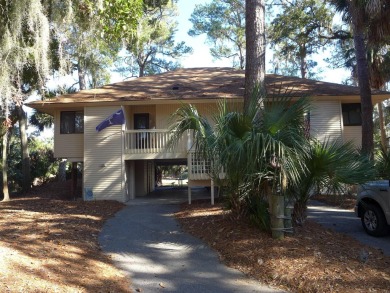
(49, 245)
(313, 259)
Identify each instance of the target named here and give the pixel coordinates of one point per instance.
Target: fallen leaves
(51, 245)
(313, 259)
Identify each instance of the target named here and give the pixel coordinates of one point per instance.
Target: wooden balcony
(152, 144)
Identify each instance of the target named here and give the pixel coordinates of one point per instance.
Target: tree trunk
(303, 62)
(364, 82)
(276, 206)
(62, 171)
(255, 47)
(141, 69)
(242, 57)
(74, 181)
(81, 74)
(24, 149)
(300, 212)
(382, 128)
(5, 167)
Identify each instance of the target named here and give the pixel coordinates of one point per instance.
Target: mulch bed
(51, 245)
(313, 259)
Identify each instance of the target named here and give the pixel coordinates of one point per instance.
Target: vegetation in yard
(382, 160)
(251, 147)
(313, 259)
(330, 167)
(42, 162)
(268, 159)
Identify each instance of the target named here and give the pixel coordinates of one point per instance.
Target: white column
(189, 140)
(189, 164)
(131, 180)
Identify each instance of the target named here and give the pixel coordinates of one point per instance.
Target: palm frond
(382, 163)
(187, 118)
(264, 142)
(330, 166)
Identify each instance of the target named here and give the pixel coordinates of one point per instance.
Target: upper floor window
(72, 122)
(352, 114)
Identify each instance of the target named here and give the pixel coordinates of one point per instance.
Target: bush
(258, 212)
(43, 164)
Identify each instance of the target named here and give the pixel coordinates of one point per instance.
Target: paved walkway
(147, 243)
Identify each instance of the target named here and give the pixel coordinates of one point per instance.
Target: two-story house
(119, 161)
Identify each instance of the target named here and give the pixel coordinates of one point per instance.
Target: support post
(74, 180)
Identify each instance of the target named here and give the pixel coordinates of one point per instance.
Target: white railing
(200, 169)
(150, 141)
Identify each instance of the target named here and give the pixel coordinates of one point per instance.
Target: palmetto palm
(254, 147)
(382, 163)
(330, 166)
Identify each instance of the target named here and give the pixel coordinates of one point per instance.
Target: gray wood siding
(67, 145)
(325, 120)
(103, 162)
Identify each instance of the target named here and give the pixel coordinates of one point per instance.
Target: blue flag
(118, 118)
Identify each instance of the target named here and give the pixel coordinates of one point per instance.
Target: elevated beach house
(119, 159)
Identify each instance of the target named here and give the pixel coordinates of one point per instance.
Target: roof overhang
(199, 85)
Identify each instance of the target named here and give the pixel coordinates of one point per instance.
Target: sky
(202, 58)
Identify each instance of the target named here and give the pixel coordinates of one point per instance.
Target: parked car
(373, 207)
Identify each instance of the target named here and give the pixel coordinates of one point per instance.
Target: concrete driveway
(146, 242)
(345, 221)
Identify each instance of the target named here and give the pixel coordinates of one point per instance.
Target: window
(72, 122)
(352, 114)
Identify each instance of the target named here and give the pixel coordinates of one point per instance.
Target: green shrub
(258, 213)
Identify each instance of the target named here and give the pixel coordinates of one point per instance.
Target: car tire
(374, 221)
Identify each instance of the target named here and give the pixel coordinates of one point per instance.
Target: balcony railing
(151, 141)
(155, 141)
(200, 169)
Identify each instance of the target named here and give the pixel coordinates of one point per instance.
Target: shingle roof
(201, 83)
